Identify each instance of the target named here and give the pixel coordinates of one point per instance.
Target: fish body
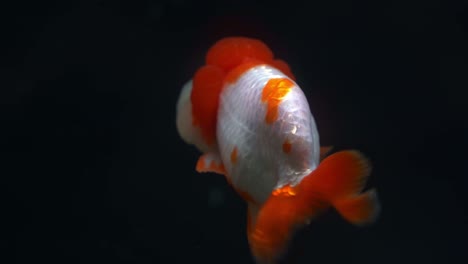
(244, 111)
(271, 151)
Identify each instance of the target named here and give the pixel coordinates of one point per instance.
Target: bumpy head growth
(197, 122)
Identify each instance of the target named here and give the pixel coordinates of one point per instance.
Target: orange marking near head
(235, 73)
(287, 146)
(230, 52)
(234, 155)
(273, 93)
(207, 85)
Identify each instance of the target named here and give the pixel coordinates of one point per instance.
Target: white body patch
(262, 165)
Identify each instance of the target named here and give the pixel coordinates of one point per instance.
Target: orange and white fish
(245, 112)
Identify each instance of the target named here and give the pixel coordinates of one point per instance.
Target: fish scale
(242, 124)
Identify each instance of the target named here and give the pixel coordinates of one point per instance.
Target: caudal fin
(360, 209)
(270, 230)
(339, 180)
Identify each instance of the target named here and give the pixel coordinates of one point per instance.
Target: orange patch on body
(287, 146)
(286, 190)
(273, 93)
(234, 155)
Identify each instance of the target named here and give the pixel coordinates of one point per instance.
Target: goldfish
(245, 113)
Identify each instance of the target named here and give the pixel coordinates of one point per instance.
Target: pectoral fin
(210, 162)
(340, 179)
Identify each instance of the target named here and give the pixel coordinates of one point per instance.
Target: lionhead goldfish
(244, 111)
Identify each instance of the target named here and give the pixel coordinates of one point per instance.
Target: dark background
(93, 170)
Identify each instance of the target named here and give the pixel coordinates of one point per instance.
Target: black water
(93, 170)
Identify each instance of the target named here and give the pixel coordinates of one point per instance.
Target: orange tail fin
(337, 182)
